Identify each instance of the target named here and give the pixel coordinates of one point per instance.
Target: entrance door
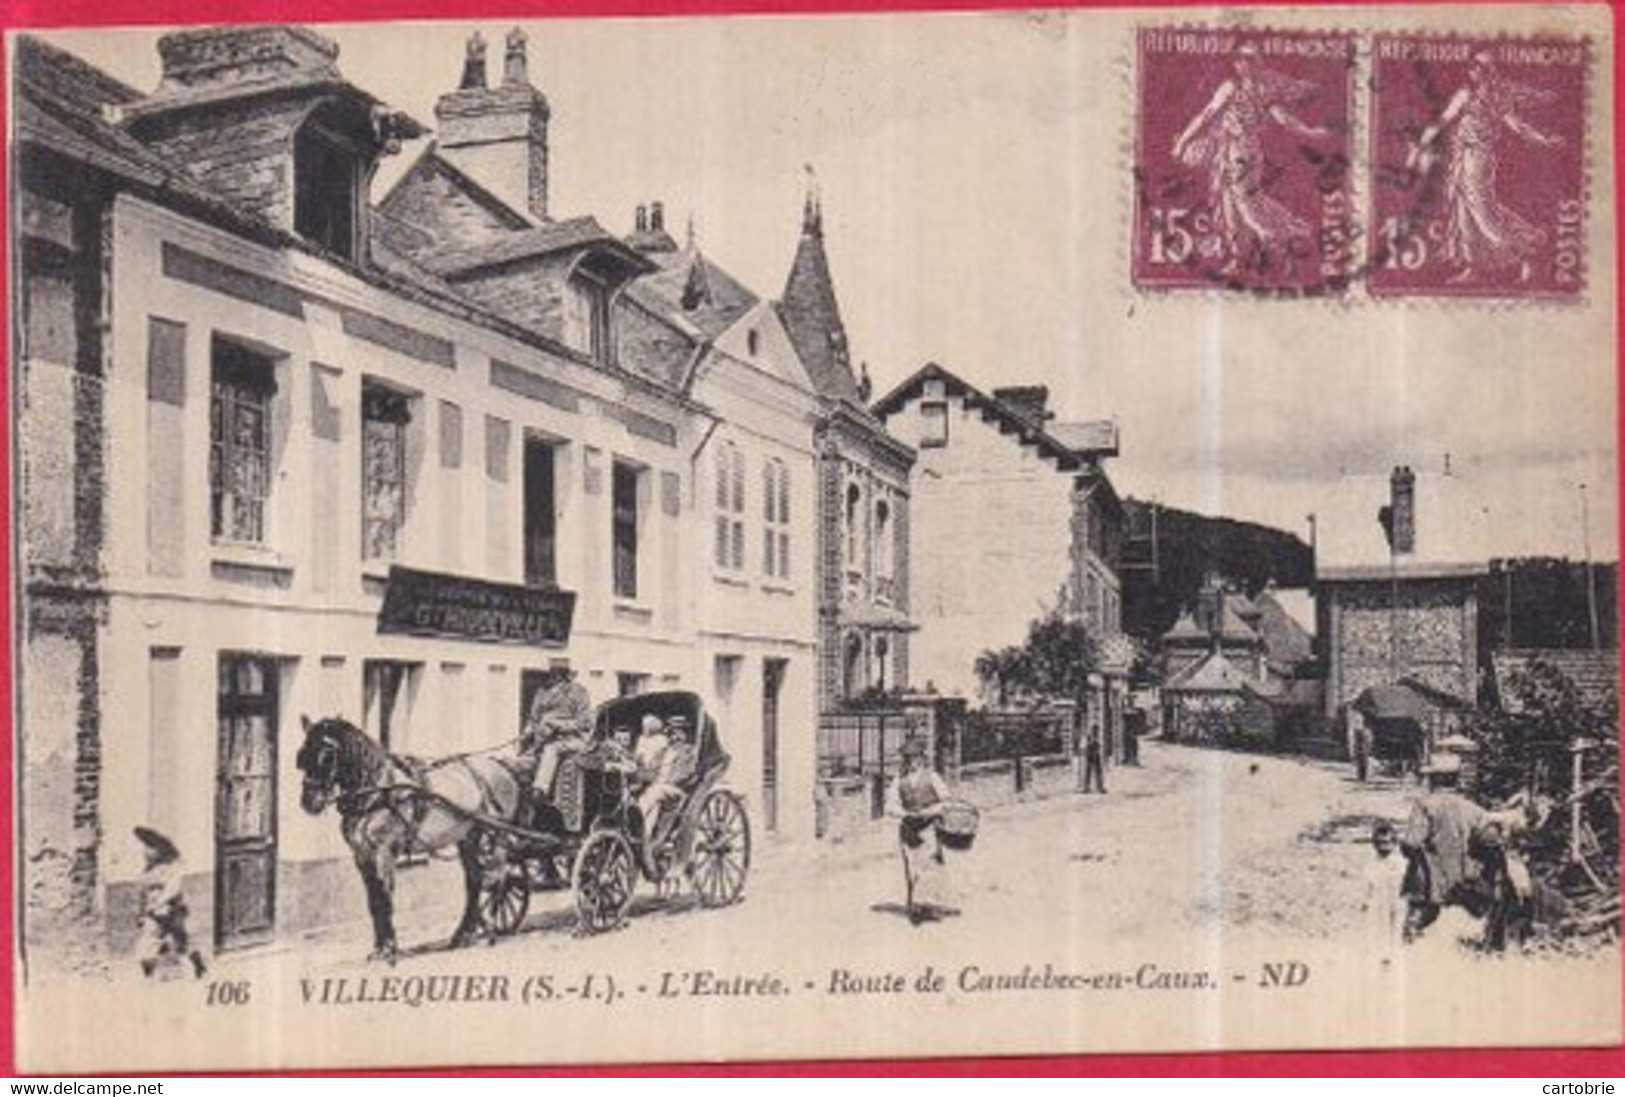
(245, 802)
(772, 682)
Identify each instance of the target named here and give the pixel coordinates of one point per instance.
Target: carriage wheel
(721, 857)
(506, 896)
(605, 875)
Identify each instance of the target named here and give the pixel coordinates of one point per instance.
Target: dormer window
(587, 323)
(328, 186)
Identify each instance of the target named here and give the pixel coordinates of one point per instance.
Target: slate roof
(1296, 603)
(1452, 529)
(578, 232)
(689, 285)
(1215, 674)
(1285, 640)
(812, 317)
(1186, 630)
(1595, 674)
(60, 101)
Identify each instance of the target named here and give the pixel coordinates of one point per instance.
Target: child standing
(1385, 902)
(164, 938)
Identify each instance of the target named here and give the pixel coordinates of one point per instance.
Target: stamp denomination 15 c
(1478, 185)
(1242, 161)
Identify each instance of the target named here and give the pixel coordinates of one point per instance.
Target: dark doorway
(773, 671)
(245, 802)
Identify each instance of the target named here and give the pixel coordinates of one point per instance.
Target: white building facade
(283, 455)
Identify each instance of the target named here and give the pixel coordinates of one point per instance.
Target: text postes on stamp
(1478, 167)
(1242, 154)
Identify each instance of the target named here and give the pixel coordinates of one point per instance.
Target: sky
(975, 172)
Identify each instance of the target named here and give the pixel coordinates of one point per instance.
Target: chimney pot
(1402, 514)
(474, 64)
(515, 64)
(642, 221)
(657, 217)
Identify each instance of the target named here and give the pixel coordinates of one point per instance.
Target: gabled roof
(430, 162)
(1186, 630)
(1215, 674)
(1284, 639)
(691, 286)
(574, 234)
(1594, 674)
(1296, 603)
(1233, 627)
(1451, 524)
(1008, 419)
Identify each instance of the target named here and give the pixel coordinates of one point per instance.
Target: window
(384, 416)
(852, 677)
(242, 385)
(388, 690)
(730, 528)
(327, 189)
(541, 515)
(753, 342)
(934, 423)
(624, 528)
(588, 319)
(854, 500)
(776, 519)
(630, 683)
(883, 536)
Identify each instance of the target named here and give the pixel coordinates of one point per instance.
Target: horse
(391, 806)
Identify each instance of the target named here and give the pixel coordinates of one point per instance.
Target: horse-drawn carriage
(591, 825)
(594, 827)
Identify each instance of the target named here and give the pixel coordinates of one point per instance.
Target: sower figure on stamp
(164, 937)
(921, 793)
(559, 723)
(1226, 137)
(1482, 233)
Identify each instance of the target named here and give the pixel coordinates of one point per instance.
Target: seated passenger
(673, 768)
(617, 752)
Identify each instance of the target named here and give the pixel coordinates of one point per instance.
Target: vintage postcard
(601, 541)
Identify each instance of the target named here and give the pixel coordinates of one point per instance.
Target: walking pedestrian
(921, 794)
(1094, 771)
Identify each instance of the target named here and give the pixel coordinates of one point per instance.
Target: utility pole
(1156, 559)
(1591, 583)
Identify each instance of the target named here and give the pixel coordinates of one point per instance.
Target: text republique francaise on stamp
(1478, 172)
(1243, 161)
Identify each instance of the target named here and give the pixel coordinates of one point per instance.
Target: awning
(1391, 703)
(875, 618)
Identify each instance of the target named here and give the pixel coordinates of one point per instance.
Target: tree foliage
(1054, 663)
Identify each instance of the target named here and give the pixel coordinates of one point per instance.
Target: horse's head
(319, 760)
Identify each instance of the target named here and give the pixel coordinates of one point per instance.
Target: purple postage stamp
(1242, 161)
(1478, 185)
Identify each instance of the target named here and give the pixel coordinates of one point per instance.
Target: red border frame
(1550, 1063)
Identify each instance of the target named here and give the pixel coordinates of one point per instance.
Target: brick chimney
(498, 136)
(220, 57)
(1031, 402)
(1402, 509)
